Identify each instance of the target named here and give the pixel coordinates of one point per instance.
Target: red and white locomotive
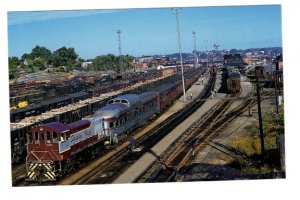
(55, 149)
(51, 148)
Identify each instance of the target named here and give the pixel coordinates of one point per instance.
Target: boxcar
(233, 82)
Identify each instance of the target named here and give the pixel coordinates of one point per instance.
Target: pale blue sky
(145, 31)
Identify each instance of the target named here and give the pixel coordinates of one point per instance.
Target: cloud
(16, 18)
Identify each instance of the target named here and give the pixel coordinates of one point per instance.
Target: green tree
(42, 53)
(13, 63)
(64, 57)
(112, 62)
(26, 56)
(39, 63)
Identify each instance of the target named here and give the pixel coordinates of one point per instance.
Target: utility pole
(262, 143)
(120, 53)
(179, 47)
(275, 78)
(195, 51)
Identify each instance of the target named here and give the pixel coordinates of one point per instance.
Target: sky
(145, 31)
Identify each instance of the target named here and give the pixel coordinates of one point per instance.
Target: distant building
(233, 60)
(86, 64)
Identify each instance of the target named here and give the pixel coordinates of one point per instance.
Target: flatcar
(233, 82)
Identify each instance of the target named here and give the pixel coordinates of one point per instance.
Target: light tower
(120, 53)
(176, 12)
(195, 51)
(216, 46)
(207, 55)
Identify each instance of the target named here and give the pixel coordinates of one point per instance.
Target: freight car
(213, 69)
(33, 110)
(54, 149)
(233, 82)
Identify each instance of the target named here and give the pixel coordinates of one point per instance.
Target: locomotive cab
(42, 148)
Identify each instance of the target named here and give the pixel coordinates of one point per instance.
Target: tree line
(64, 59)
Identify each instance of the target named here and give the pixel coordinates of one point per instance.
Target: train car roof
(234, 74)
(163, 87)
(57, 126)
(79, 123)
(129, 99)
(111, 110)
(147, 96)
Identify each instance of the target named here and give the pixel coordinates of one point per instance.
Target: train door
(42, 138)
(233, 85)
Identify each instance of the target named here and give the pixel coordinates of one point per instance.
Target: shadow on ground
(209, 172)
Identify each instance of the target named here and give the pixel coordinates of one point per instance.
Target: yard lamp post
(176, 12)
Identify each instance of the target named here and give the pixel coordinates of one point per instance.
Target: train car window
(111, 124)
(110, 102)
(48, 137)
(124, 101)
(54, 137)
(36, 137)
(63, 136)
(126, 119)
(117, 123)
(29, 138)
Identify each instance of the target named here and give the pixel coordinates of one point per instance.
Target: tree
(39, 63)
(64, 57)
(13, 63)
(112, 62)
(41, 52)
(26, 56)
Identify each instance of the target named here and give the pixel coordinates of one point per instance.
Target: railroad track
(115, 163)
(195, 139)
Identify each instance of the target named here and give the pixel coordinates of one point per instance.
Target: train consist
(18, 135)
(231, 80)
(54, 149)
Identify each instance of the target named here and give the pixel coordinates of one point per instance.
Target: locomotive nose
(40, 172)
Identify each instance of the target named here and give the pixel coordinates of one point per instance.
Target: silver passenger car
(124, 113)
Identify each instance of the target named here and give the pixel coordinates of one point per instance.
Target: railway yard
(178, 141)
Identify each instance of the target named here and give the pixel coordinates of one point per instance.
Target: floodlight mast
(179, 47)
(195, 51)
(120, 53)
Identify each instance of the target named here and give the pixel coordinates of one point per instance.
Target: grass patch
(249, 145)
